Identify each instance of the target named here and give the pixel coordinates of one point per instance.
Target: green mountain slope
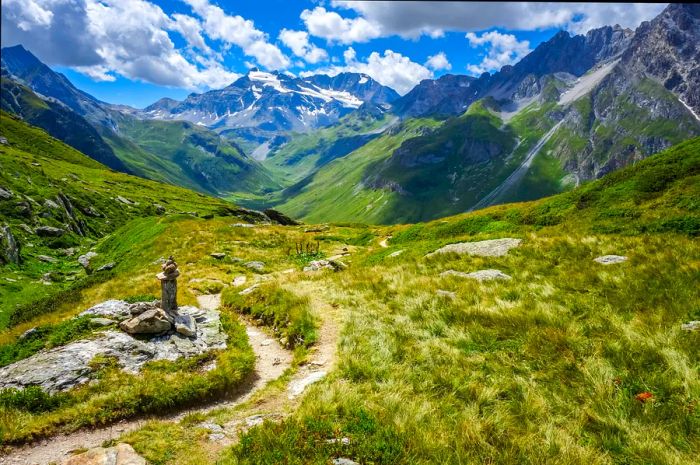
(46, 183)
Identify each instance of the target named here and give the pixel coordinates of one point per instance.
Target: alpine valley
(318, 269)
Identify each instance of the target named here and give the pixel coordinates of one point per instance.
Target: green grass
(288, 314)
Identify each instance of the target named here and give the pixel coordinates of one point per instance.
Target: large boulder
(64, 367)
(153, 321)
(9, 247)
(121, 454)
(489, 248)
(49, 231)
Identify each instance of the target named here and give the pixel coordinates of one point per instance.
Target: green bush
(31, 399)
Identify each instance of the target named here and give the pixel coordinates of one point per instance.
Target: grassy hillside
(546, 367)
(54, 185)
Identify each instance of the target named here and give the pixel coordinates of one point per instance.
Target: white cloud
(241, 32)
(413, 19)
(331, 26)
(504, 49)
(390, 69)
(26, 13)
(106, 38)
(298, 42)
(438, 62)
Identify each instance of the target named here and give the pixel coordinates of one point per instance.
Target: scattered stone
(257, 266)
(153, 321)
(5, 194)
(338, 265)
(67, 366)
(610, 259)
(69, 252)
(395, 254)
(266, 342)
(46, 279)
(248, 290)
(691, 326)
(28, 333)
(10, 280)
(218, 255)
(160, 209)
(3, 141)
(481, 275)
(26, 228)
(297, 387)
(185, 325)
(317, 229)
(9, 247)
(344, 461)
(125, 201)
(343, 441)
(216, 432)
(317, 265)
(100, 322)
(48, 203)
(46, 258)
(242, 225)
(107, 266)
(36, 164)
(49, 231)
(239, 281)
(489, 248)
(90, 211)
(443, 293)
(121, 454)
(84, 260)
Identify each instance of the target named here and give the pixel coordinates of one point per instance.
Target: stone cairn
(168, 285)
(148, 318)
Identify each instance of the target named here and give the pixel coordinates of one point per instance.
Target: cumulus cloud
(236, 30)
(503, 49)
(413, 19)
(331, 26)
(391, 69)
(438, 62)
(298, 42)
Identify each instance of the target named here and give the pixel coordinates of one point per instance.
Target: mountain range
(346, 147)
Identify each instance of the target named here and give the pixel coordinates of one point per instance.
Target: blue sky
(137, 51)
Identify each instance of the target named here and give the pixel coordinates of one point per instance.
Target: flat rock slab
(67, 366)
(489, 248)
(297, 387)
(610, 259)
(121, 454)
(691, 326)
(481, 275)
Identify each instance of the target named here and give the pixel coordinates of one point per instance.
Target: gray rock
(395, 254)
(239, 281)
(248, 290)
(481, 275)
(317, 265)
(185, 325)
(3, 141)
(48, 203)
(691, 326)
(242, 225)
(84, 260)
(5, 194)
(116, 309)
(107, 266)
(26, 228)
(218, 255)
(298, 386)
(46, 279)
(610, 259)
(28, 333)
(49, 231)
(46, 258)
(100, 322)
(64, 367)
(140, 307)
(9, 247)
(257, 266)
(121, 454)
(125, 201)
(160, 209)
(338, 265)
(153, 321)
(344, 461)
(69, 252)
(489, 248)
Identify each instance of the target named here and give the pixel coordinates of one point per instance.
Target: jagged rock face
(274, 102)
(9, 247)
(667, 49)
(448, 95)
(67, 366)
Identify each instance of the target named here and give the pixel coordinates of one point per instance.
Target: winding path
(271, 362)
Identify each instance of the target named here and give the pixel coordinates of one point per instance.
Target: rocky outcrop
(64, 367)
(280, 218)
(9, 247)
(488, 248)
(49, 231)
(121, 454)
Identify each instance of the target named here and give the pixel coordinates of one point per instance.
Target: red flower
(644, 396)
